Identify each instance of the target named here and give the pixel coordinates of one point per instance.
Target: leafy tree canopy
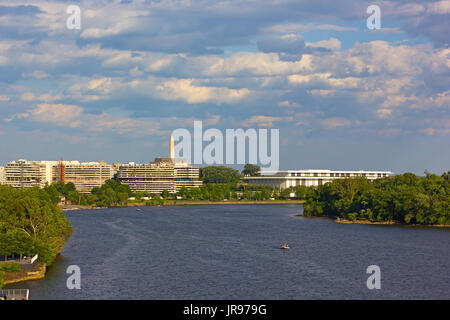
(405, 198)
(219, 174)
(251, 170)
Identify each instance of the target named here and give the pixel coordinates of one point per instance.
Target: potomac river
(233, 252)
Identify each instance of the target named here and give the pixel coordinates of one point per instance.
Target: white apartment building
(25, 174)
(169, 174)
(310, 177)
(85, 175)
(2, 175)
(162, 174)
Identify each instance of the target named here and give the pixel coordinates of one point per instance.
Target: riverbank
(390, 222)
(185, 203)
(368, 222)
(37, 273)
(345, 221)
(207, 202)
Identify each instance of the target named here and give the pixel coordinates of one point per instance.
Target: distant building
(85, 176)
(292, 178)
(163, 174)
(25, 174)
(2, 175)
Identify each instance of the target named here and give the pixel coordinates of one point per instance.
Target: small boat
(285, 246)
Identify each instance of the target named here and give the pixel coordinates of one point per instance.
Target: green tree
(219, 174)
(251, 170)
(30, 223)
(165, 194)
(111, 193)
(404, 198)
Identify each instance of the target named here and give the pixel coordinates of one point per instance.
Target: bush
(10, 267)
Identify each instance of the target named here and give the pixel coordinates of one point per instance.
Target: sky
(344, 97)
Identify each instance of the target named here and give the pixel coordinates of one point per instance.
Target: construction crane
(62, 170)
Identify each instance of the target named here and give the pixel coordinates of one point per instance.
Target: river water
(233, 252)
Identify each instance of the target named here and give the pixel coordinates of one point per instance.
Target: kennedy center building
(292, 178)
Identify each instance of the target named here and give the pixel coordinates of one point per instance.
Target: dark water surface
(233, 252)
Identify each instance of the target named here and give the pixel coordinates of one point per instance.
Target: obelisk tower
(171, 148)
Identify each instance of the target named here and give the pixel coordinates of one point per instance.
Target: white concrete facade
(85, 175)
(308, 178)
(23, 173)
(2, 175)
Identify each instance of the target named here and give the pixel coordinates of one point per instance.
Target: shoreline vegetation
(402, 199)
(30, 223)
(368, 222)
(185, 203)
(37, 273)
(391, 222)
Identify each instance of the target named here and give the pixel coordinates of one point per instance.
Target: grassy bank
(368, 222)
(390, 222)
(37, 273)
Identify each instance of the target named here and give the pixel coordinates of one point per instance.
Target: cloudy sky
(343, 96)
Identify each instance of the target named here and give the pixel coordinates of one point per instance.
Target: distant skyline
(344, 97)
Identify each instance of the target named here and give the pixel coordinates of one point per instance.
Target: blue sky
(343, 96)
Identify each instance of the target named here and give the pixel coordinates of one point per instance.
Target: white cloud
(383, 113)
(295, 27)
(264, 121)
(335, 122)
(184, 89)
(37, 74)
(332, 44)
(27, 96)
(440, 7)
(287, 103)
(58, 114)
(73, 116)
(321, 92)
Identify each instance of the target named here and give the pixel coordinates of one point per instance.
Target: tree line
(111, 193)
(404, 198)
